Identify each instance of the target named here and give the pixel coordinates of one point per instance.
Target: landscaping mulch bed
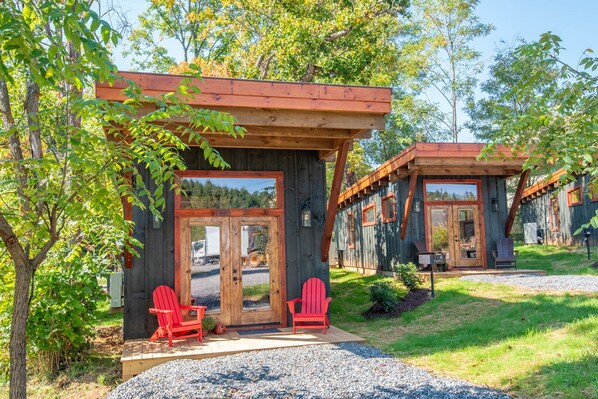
(413, 300)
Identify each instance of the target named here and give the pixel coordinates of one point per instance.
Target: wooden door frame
(278, 212)
(479, 203)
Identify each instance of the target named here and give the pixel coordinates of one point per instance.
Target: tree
(59, 169)
(412, 120)
(437, 57)
(558, 129)
(308, 41)
(192, 25)
(507, 71)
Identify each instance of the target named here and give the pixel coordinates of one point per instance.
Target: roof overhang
(542, 187)
(277, 115)
(436, 159)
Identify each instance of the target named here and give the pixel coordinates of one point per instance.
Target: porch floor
(140, 354)
(455, 273)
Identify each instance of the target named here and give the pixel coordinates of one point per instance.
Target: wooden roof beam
(408, 202)
(265, 117)
(335, 190)
(516, 201)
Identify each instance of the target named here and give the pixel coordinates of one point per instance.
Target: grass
(256, 291)
(557, 260)
(533, 345)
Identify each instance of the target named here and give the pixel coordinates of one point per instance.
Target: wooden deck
(140, 354)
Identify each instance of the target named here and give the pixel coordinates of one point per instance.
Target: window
(240, 192)
(368, 215)
(593, 191)
(555, 221)
(574, 196)
(351, 226)
(451, 192)
(389, 208)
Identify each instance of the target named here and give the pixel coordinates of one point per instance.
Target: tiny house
(243, 240)
(437, 193)
(553, 212)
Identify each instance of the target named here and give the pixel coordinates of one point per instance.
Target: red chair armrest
(292, 304)
(156, 311)
(168, 314)
(201, 310)
(326, 303)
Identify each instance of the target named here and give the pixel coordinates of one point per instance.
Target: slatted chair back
(505, 248)
(165, 299)
(313, 295)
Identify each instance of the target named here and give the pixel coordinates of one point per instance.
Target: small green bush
(407, 274)
(208, 323)
(384, 294)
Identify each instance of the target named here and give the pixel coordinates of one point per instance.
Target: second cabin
(439, 194)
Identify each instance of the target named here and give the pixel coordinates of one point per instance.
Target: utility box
(116, 290)
(530, 233)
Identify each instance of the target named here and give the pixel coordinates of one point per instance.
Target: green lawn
(531, 344)
(557, 260)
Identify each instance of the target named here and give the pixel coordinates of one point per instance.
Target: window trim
(351, 233)
(366, 209)
(385, 218)
(551, 214)
(580, 202)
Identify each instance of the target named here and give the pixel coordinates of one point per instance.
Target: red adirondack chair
(170, 322)
(314, 305)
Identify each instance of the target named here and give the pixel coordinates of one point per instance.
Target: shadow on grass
(495, 320)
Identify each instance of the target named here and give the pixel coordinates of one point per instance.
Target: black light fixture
(494, 204)
(306, 214)
(417, 206)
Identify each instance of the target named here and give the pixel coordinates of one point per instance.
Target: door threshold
(261, 326)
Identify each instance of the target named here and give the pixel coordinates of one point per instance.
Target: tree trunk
(18, 337)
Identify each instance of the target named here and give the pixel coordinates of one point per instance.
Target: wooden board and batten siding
(379, 246)
(536, 208)
(304, 180)
(291, 128)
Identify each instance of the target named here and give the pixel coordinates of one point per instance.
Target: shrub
(384, 294)
(407, 274)
(208, 323)
(64, 311)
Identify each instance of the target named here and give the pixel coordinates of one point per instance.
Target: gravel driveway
(346, 371)
(550, 283)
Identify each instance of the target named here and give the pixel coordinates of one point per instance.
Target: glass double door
(231, 265)
(456, 231)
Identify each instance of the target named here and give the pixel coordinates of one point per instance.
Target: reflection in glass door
(231, 265)
(454, 230)
(466, 235)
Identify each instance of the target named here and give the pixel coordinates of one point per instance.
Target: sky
(575, 21)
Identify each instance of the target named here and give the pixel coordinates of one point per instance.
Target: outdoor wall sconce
(306, 215)
(494, 204)
(417, 206)
(156, 222)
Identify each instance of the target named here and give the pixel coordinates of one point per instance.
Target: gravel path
(551, 283)
(346, 371)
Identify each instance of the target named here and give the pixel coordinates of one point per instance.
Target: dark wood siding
(304, 180)
(380, 246)
(571, 217)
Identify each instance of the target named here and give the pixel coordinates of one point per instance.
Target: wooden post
(408, 202)
(516, 201)
(341, 160)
